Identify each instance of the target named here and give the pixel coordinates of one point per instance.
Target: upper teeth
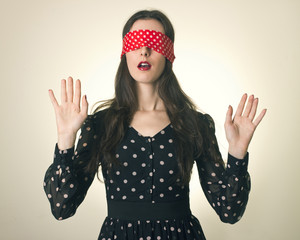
(144, 64)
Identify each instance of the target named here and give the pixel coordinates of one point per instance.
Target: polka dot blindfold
(157, 41)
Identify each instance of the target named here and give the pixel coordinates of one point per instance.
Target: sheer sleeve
(226, 189)
(66, 183)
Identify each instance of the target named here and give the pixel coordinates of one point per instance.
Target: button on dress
(143, 195)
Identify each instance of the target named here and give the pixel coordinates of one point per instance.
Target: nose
(145, 51)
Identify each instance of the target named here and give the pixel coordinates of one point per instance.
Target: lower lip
(144, 68)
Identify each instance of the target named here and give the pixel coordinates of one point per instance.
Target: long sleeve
(226, 189)
(66, 183)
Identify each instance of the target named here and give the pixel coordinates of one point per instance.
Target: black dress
(143, 197)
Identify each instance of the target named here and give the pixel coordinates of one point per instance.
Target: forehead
(150, 24)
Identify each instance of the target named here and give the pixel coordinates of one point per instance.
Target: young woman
(146, 140)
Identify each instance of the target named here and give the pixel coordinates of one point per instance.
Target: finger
(253, 109)
(63, 91)
(241, 105)
(260, 117)
(84, 105)
(248, 106)
(228, 120)
(53, 99)
(77, 92)
(70, 89)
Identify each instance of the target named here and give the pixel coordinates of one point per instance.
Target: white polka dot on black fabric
(146, 174)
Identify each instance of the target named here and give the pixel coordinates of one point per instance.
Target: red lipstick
(144, 66)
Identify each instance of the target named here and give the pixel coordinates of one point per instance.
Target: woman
(146, 140)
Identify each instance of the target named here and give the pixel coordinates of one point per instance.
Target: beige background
(223, 49)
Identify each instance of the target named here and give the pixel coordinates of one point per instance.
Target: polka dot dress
(146, 177)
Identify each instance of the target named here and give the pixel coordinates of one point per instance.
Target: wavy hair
(120, 110)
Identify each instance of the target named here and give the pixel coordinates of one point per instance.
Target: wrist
(66, 141)
(237, 151)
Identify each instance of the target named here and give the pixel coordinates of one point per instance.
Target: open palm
(69, 115)
(240, 129)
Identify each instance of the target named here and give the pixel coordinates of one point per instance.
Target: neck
(148, 98)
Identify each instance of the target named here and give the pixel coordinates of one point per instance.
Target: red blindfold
(157, 41)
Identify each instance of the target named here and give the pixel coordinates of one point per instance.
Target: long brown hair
(120, 110)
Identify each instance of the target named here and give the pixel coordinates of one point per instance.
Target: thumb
(85, 105)
(228, 119)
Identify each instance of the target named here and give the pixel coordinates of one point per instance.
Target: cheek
(130, 61)
(162, 64)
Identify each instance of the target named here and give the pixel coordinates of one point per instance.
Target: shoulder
(96, 119)
(205, 120)
(201, 116)
(99, 115)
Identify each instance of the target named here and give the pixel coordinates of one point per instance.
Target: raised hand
(240, 129)
(69, 116)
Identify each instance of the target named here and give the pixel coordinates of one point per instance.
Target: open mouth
(144, 66)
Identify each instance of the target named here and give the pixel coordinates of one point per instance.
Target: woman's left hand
(240, 129)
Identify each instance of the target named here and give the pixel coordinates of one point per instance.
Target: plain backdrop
(223, 49)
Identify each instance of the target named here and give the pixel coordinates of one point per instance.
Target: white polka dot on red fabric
(160, 41)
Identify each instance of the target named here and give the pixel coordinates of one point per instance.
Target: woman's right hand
(69, 116)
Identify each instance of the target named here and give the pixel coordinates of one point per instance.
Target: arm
(226, 189)
(66, 183)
